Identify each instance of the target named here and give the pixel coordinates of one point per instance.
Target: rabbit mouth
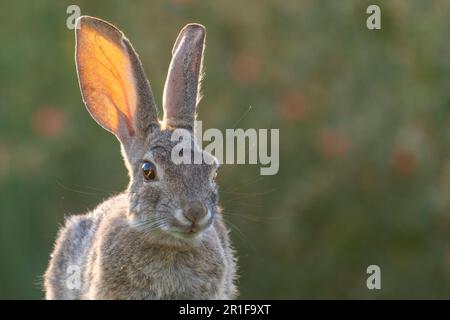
(186, 235)
(189, 232)
(181, 227)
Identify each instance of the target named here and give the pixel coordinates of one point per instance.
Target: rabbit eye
(149, 171)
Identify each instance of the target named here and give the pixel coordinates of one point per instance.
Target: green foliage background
(364, 120)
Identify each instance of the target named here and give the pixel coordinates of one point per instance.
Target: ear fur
(181, 91)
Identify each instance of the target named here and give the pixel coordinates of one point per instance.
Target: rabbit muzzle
(193, 217)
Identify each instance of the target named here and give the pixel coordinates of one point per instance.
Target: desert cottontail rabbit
(164, 237)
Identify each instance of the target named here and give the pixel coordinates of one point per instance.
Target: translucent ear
(182, 83)
(112, 81)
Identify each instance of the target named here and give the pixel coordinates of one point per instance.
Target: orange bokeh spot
(49, 122)
(404, 162)
(292, 106)
(246, 67)
(333, 144)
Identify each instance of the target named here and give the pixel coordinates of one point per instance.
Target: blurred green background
(364, 120)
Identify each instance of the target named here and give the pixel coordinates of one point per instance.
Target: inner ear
(112, 81)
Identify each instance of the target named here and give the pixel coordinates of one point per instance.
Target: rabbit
(164, 237)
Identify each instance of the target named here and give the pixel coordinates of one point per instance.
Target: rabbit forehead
(160, 143)
(162, 140)
(159, 148)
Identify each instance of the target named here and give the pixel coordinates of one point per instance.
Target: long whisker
(242, 117)
(241, 234)
(247, 183)
(150, 222)
(97, 189)
(251, 217)
(239, 204)
(148, 230)
(76, 190)
(251, 194)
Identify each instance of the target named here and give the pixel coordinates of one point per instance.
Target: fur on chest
(155, 272)
(180, 274)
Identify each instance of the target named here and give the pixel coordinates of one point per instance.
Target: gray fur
(132, 246)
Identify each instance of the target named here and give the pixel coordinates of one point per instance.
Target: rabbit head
(166, 198)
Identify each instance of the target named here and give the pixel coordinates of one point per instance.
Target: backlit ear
(112, 81)
(182, 83)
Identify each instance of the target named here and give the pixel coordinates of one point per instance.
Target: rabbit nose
(195, 212)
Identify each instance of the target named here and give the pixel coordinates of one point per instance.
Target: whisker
(250, 194)
(150, 222)
(242, 117)
(251, 217)
(97, 189)
(239, 204)
(76, 190)
(242, 235)
(156, 226)
(247, 183)
(245, 196)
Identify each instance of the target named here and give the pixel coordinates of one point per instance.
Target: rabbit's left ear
(112, 80)
(181, 91)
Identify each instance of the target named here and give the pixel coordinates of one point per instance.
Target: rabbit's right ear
(112, 81)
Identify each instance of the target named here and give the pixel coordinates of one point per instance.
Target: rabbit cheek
(144, 200)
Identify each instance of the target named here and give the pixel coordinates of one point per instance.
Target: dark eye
(149, 171)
